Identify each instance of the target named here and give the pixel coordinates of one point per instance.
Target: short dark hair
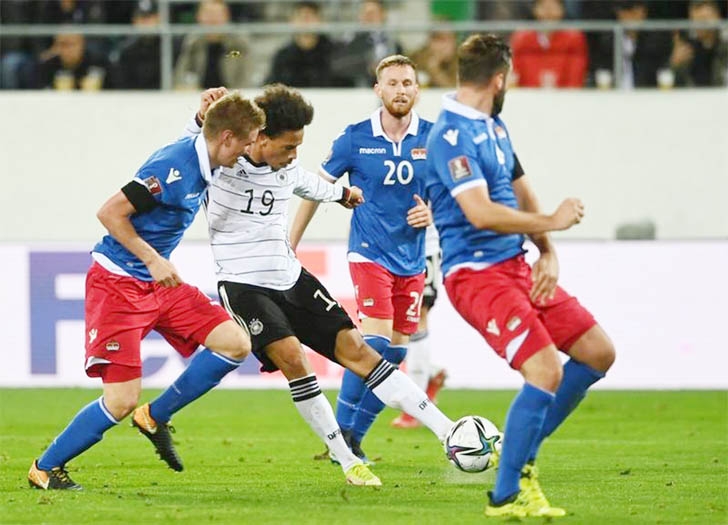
(285, 109)
(482, 56)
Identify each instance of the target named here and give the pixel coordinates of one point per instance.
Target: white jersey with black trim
(247, 212)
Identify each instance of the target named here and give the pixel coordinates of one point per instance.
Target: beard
(498, 101)
(399, 110)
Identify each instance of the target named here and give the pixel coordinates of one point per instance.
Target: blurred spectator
(503, 9)
(644, 53)
(72, 12)
(306, 60)
(700, 59)
(16, 65)
(357, 58)
(137, 61)
(437, 60)
(214, 59)
(549, 58)
(69, 65)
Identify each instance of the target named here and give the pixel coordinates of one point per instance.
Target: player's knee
(121, 405)
(240, 345)
(605, 356)
(353, 352)
(293, 362)
(231, 341)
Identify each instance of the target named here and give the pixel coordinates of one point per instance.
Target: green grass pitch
(623, 458)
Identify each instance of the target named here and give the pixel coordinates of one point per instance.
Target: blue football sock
(523, 423)
(577, 378)
(353, 388)
(85, 430)
(203, 374)
(370, 406)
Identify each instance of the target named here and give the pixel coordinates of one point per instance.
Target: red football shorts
(121, 311)
(496, 302)
(382, 295)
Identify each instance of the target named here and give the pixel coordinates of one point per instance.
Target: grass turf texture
(625, 457)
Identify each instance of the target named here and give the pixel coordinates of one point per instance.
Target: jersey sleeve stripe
(457, 190)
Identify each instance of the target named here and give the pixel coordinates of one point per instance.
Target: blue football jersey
(467, 148)
(389, 174)
(176, 176)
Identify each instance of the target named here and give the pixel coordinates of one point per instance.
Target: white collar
(203, 156)
(450, 103)
(378, 131)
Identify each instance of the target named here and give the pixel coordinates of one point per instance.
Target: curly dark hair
(285, 109)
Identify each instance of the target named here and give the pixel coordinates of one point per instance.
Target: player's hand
(420, 215)
(163, 272)
(207, 98)
(545, 276)
(569, 212)
(353, 199)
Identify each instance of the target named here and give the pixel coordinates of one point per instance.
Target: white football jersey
(247, 213)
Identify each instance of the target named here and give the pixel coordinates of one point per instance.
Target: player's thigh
(407, 302)
(495, 305)
(259, 309)
(373, 287)
(188, 317)
(119, 312)
(595, 349)
(565, 319)
(315, 315)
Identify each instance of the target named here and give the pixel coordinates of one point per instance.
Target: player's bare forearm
(306, 211)
(528, 202)
(485, 214)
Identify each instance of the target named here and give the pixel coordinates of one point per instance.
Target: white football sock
(317, 412)
(418, 360)
(396, 390)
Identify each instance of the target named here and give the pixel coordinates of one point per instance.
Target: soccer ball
(471, 442)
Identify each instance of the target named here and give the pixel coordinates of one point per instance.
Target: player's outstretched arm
(485, 214)
(114, 215)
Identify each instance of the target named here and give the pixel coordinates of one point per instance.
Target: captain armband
(139, 196)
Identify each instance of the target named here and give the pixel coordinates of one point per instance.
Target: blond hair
(394, 60)
(233, 112)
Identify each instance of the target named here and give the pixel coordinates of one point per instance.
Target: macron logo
(173, 176)
(372, 151)
(451, 136)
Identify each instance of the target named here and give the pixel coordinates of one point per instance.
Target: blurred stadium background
(648, 155)
(621, 103)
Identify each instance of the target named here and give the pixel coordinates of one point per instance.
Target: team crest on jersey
(500, 132)
(255, 327)
(419, 153)
(282, 177)
(113, 346)
(459, 168)
(153, 185)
